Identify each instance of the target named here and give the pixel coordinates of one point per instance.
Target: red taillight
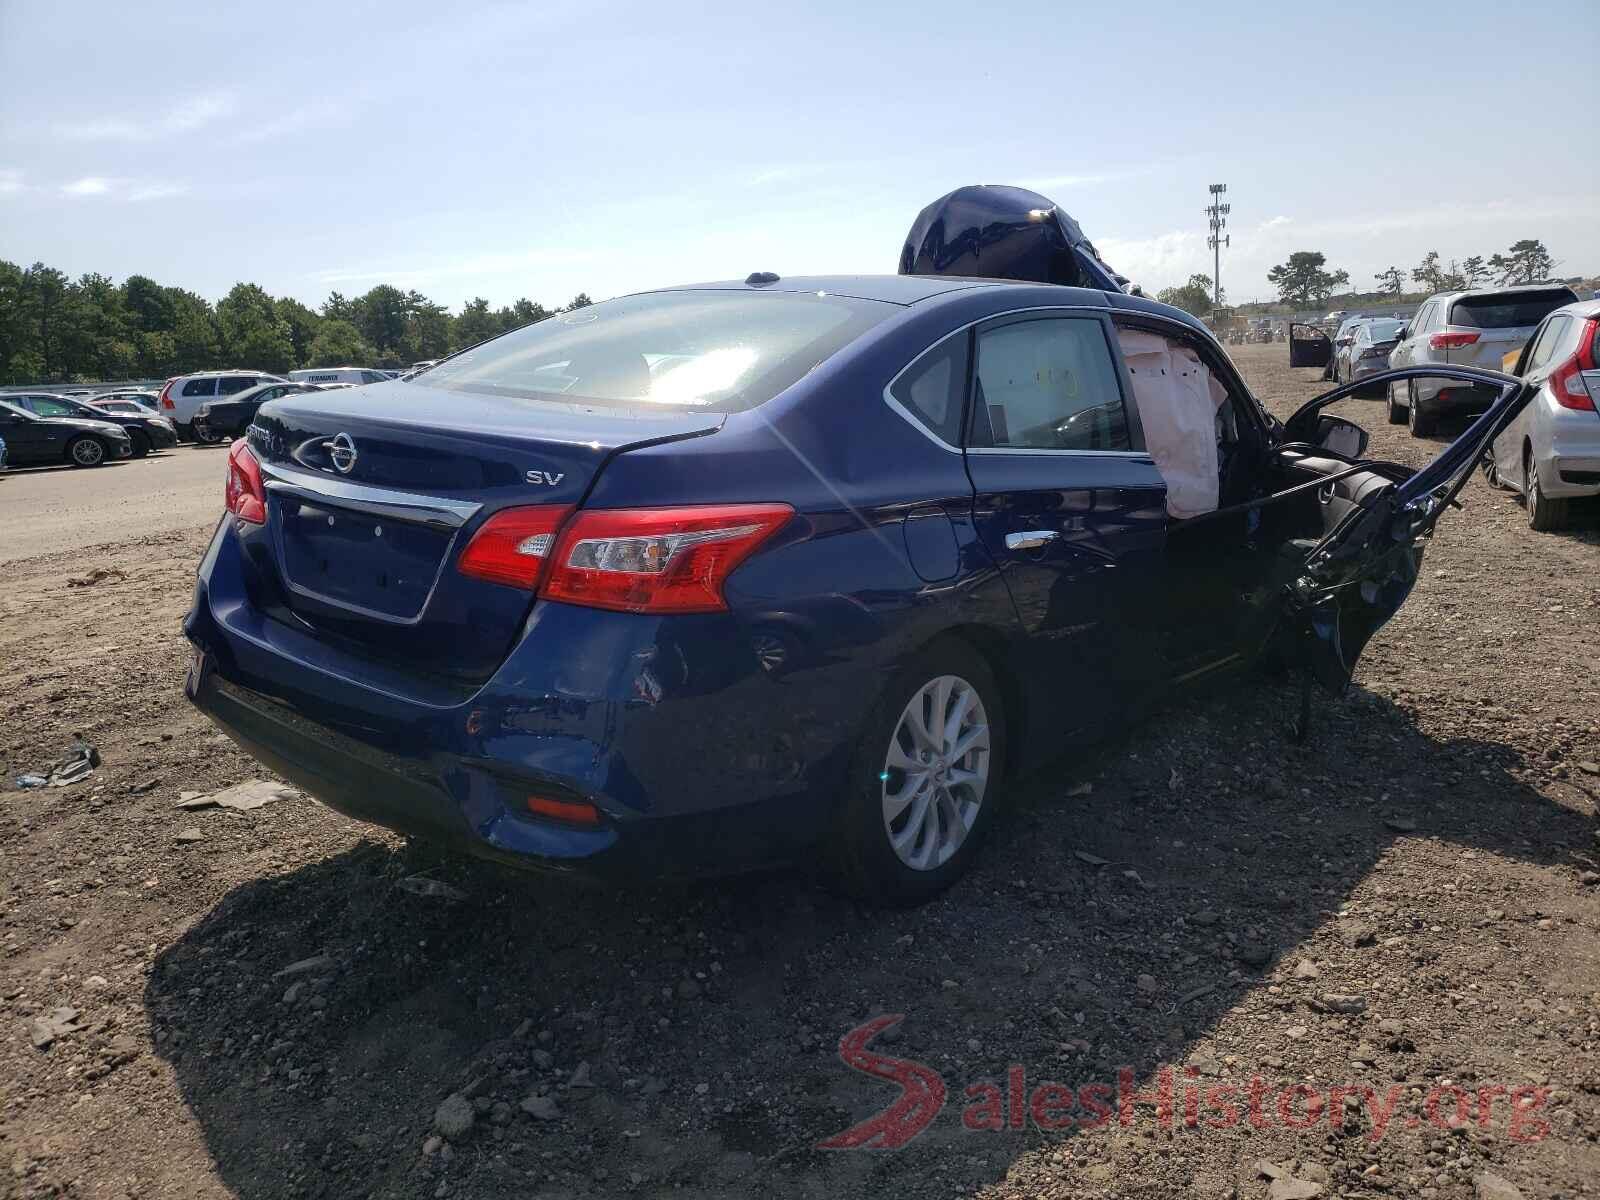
(1451, 341)
(569, 812)
(166, 395)
(513, 545)
(243, 493)
(659, 560)
(1567, 383)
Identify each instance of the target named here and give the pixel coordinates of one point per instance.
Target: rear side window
(1549, 338)
(717, 351)
(200, 387)
(1508, 311)
(1048, 385)
(931, 389)
(229, 384)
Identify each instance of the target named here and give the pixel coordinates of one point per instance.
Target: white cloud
(186, 117)
(157, 191)
(10, 181)
(320, 115)
(124, 189)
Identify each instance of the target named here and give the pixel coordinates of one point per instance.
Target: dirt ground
(263, 1010)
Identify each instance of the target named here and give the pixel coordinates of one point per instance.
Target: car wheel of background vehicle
(1544, 514)
(924, 778)
(86, 451)
(208, 438)
(141, 443)
(1421, 421)
(1397, 415)
(1491, 473)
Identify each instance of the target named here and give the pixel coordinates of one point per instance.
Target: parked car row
(49, 426)
(1541, 332)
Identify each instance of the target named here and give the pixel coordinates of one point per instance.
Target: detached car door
(1309, 346)
(1067, 502)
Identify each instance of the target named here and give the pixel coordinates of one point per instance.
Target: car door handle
(1032, 539)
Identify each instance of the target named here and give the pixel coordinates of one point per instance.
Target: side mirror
(1405, 332)
(1344, 438)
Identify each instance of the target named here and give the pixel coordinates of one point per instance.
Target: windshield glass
(1508, 311)
(1383, 328)
(717, 351)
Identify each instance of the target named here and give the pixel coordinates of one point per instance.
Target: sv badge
(545, 477)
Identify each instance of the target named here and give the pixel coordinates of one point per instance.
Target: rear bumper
(1446, 395)
(689, 781)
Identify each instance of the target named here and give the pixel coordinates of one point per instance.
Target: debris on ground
(79, 760)
(58, 1022)
(98, 575)
(434, 889)
(241, 797)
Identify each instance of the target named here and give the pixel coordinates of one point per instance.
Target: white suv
(185, 393)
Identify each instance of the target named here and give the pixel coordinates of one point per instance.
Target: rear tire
(141, 443)
(86, 451)
(209, 438)
(1544, 513)
(1397, 415)
(1421, 421)
(917, 804)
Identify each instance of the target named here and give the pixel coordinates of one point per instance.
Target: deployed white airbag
(1178, 401)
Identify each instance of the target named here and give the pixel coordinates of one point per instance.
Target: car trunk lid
(372, 495)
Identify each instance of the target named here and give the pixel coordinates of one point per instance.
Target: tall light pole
(1217, 214)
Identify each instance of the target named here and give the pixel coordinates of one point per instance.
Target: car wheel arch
(990, 645)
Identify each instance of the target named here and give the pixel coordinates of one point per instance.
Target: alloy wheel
(87, 452)
(936, 772)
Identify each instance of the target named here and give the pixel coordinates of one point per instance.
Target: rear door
(29, 439)
(1309, 346)
(1068, 503)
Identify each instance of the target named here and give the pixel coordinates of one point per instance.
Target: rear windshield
(1509, 311)
(714, 351)
(1382, 329)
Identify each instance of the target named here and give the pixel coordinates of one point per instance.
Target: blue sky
(544, 149)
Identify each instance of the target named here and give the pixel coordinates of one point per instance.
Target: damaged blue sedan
(715, 576)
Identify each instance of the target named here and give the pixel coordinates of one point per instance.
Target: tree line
(54, 329)
(1304, 279)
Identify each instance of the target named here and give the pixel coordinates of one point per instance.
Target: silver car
(1551, 451)
(1476, 329)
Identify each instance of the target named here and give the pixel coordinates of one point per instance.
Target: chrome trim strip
(1141, 455)
(378, 502)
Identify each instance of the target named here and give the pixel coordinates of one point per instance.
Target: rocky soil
(267, 1000)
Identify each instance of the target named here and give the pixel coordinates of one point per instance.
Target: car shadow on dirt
(687, 1036)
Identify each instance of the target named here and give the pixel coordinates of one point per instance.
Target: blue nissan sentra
(708, 577)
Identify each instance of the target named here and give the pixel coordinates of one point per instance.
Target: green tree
(338, 344)
(1526, 262)
(1475, 272)
(252, 334)
(1429, 273)
(428, 331)
(1392, 279)
(581, 300)
(1193, 297)
(196, 340)
(50, 318)
(381, 315)
(1303, 281)
(475, 324)
(302, 325)
(14, 334)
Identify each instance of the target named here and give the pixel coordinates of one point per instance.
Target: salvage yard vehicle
(146, 430)
(1551, 451)
(1474, 328)
(183, 394)
(352, 376)
(33, 441)
(708, 577)
(216, 420)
